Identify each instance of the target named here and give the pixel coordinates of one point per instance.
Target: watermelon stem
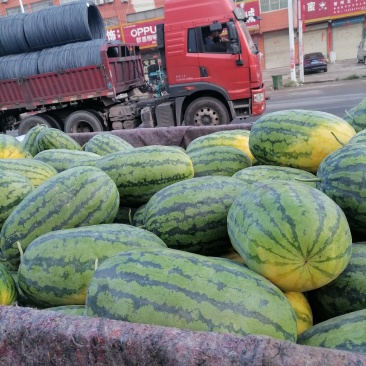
(130, 216)
(349, 115)
(341, 143)
(308, 180)
(96, 264)
(20, 250)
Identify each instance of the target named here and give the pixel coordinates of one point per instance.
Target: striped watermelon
(302, 309)
(360, 137)
(264, 172)
(8, 290)
(345, 332)
(138, 216)
(57, 267)
(68, 309)
(106, 143)
(53, 138)
(13, 188)
(141, 172)
(191, 215)
(298, 138)
(218, 160)
(29, 141)
(183, 290)
(234, 138)
(290, 233)
(357, 116)
(347, 292)
(348, 117)
(342, 177)
(11, 148)
(91, 161)
(36, 171)
(79, 196)
(62, 159)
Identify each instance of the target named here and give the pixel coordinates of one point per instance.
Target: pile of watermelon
(244, 232)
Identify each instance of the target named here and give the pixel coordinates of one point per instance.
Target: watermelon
(218, 160)
(106, 143)
(13, 188)
(68, 309)
(298, 138)
(234, 138)
(302, 309)
(78, 196)
(345, 332)
(36, 171)
(348, 117)
(342, 177)
(290, 233)
(29, 141)
(143, 171)
(184, 290)
(265, 172)
(11, 148)
(53, 138)
(62, 159)
(57, 267)
(138, 216)
(8, 290)
(191, 215)
(345, 294)
(360, 137)
(357, 116)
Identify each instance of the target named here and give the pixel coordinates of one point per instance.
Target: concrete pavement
(339, 70)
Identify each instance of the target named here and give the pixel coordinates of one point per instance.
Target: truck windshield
(248, 37)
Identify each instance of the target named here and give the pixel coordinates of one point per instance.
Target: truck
(203, 86)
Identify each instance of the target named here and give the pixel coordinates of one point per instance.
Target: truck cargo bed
(115, 75)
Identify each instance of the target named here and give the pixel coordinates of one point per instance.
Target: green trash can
(277, 82)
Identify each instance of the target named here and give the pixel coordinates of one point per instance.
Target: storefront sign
(113, 34)
(320, 9)
(250, 8)
(144, 33)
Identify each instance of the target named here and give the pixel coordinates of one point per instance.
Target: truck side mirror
(233, 46)
(232, 32)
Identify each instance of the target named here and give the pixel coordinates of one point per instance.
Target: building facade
(334, 27)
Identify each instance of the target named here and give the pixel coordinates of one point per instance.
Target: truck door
(219, 67)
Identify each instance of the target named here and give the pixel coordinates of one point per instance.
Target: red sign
(315, 9)
(250, 8)
(114, 34)
(144, 34)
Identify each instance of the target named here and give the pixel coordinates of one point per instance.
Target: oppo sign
(144, 34)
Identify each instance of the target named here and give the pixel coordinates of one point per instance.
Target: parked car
(361, 52)
(314, 62)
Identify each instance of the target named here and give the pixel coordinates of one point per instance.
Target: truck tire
(206, 112)
(28, 122)
(54, 121)
(84, 121)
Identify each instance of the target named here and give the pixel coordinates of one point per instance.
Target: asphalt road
(333, 97)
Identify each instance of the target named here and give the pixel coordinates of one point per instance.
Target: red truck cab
(211, 85)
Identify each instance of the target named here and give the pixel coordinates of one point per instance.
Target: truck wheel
(206, 112)
(54, 121)
(28, 122)
(83, 121)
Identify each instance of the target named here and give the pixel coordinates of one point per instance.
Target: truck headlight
(259, 97)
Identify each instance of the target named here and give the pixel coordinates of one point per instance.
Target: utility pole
(291, 38)
(21, 6)
(300, 38)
